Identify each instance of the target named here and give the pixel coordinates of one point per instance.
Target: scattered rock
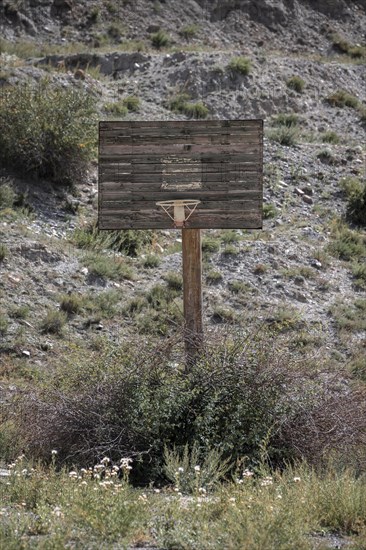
(307, 200)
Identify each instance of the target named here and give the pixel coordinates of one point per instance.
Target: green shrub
(71, 303)
(326, 156)
(355, 191)
(343, 46)
(260, 269)
(341, 98)
(350, 316)
(174, 280)
(196, 110)
(359, 273)
(180, 104)
(284, 135)
(49, 132)
(362, 111)
(151, 261)
(348, 245)
(230, 236)
(247, 395)
(19, 312)
(116, 31)
(107, 267)
(160, 39)
(230, 250)
(269, 211)
(4, 324)
(116, 108)
(238, 287)
(296, 83)
(330, 137)
(189, 31)
(53, 322)
(127, 241)
(3, 252)
(7, 194)
(213, 277)
(210, 244)
(132, 103)
(111, 7)
(241, 65)
(223, 314)
(288, 120)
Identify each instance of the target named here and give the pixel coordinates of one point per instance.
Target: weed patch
(355, 191)
(240, 65)
(50, 132)
(296, 83)
(181, 104)
(341, 98)
(247, 395)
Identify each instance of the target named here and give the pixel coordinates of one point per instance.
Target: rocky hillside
(299, 65)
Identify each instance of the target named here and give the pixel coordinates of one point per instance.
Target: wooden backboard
(216, 162)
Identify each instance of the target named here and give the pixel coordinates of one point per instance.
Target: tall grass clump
(127, 241)
(181, 104)
(355, 191)
(48, 131)
(160, 39)
(296, 83)
(341, 98)
(246, 395)
(342, 45)
(240, 65)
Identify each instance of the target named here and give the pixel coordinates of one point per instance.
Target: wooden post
(192, 291)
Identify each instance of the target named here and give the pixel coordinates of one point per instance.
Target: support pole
(192, 292)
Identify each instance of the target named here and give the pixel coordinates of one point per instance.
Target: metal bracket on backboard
(177, 210)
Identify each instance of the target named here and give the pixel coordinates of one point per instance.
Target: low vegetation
(295, 508)
(182, 104)
(240, 65)
(160, 39)
(129, 241)
(342, 98)
(296, 83)
(355, 191)
(49, 132)
(342, 45)
(247, 395)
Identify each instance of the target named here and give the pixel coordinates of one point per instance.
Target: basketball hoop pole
(192, 292)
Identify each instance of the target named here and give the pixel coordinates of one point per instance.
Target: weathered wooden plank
(172, 149)
(115, 168)
(120, 207)
(141, 189)
(206, 158)
(173, 195)
(199, 139)
(180, 125)
(212, 220)
(177, 177)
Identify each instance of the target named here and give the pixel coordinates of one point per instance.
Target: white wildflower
(266, 481)
(197, 468)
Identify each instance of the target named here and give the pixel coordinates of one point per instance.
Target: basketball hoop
(179, 210)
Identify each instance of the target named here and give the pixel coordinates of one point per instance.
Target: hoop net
(179, 210)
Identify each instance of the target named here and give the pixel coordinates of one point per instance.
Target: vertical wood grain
(192, 292)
